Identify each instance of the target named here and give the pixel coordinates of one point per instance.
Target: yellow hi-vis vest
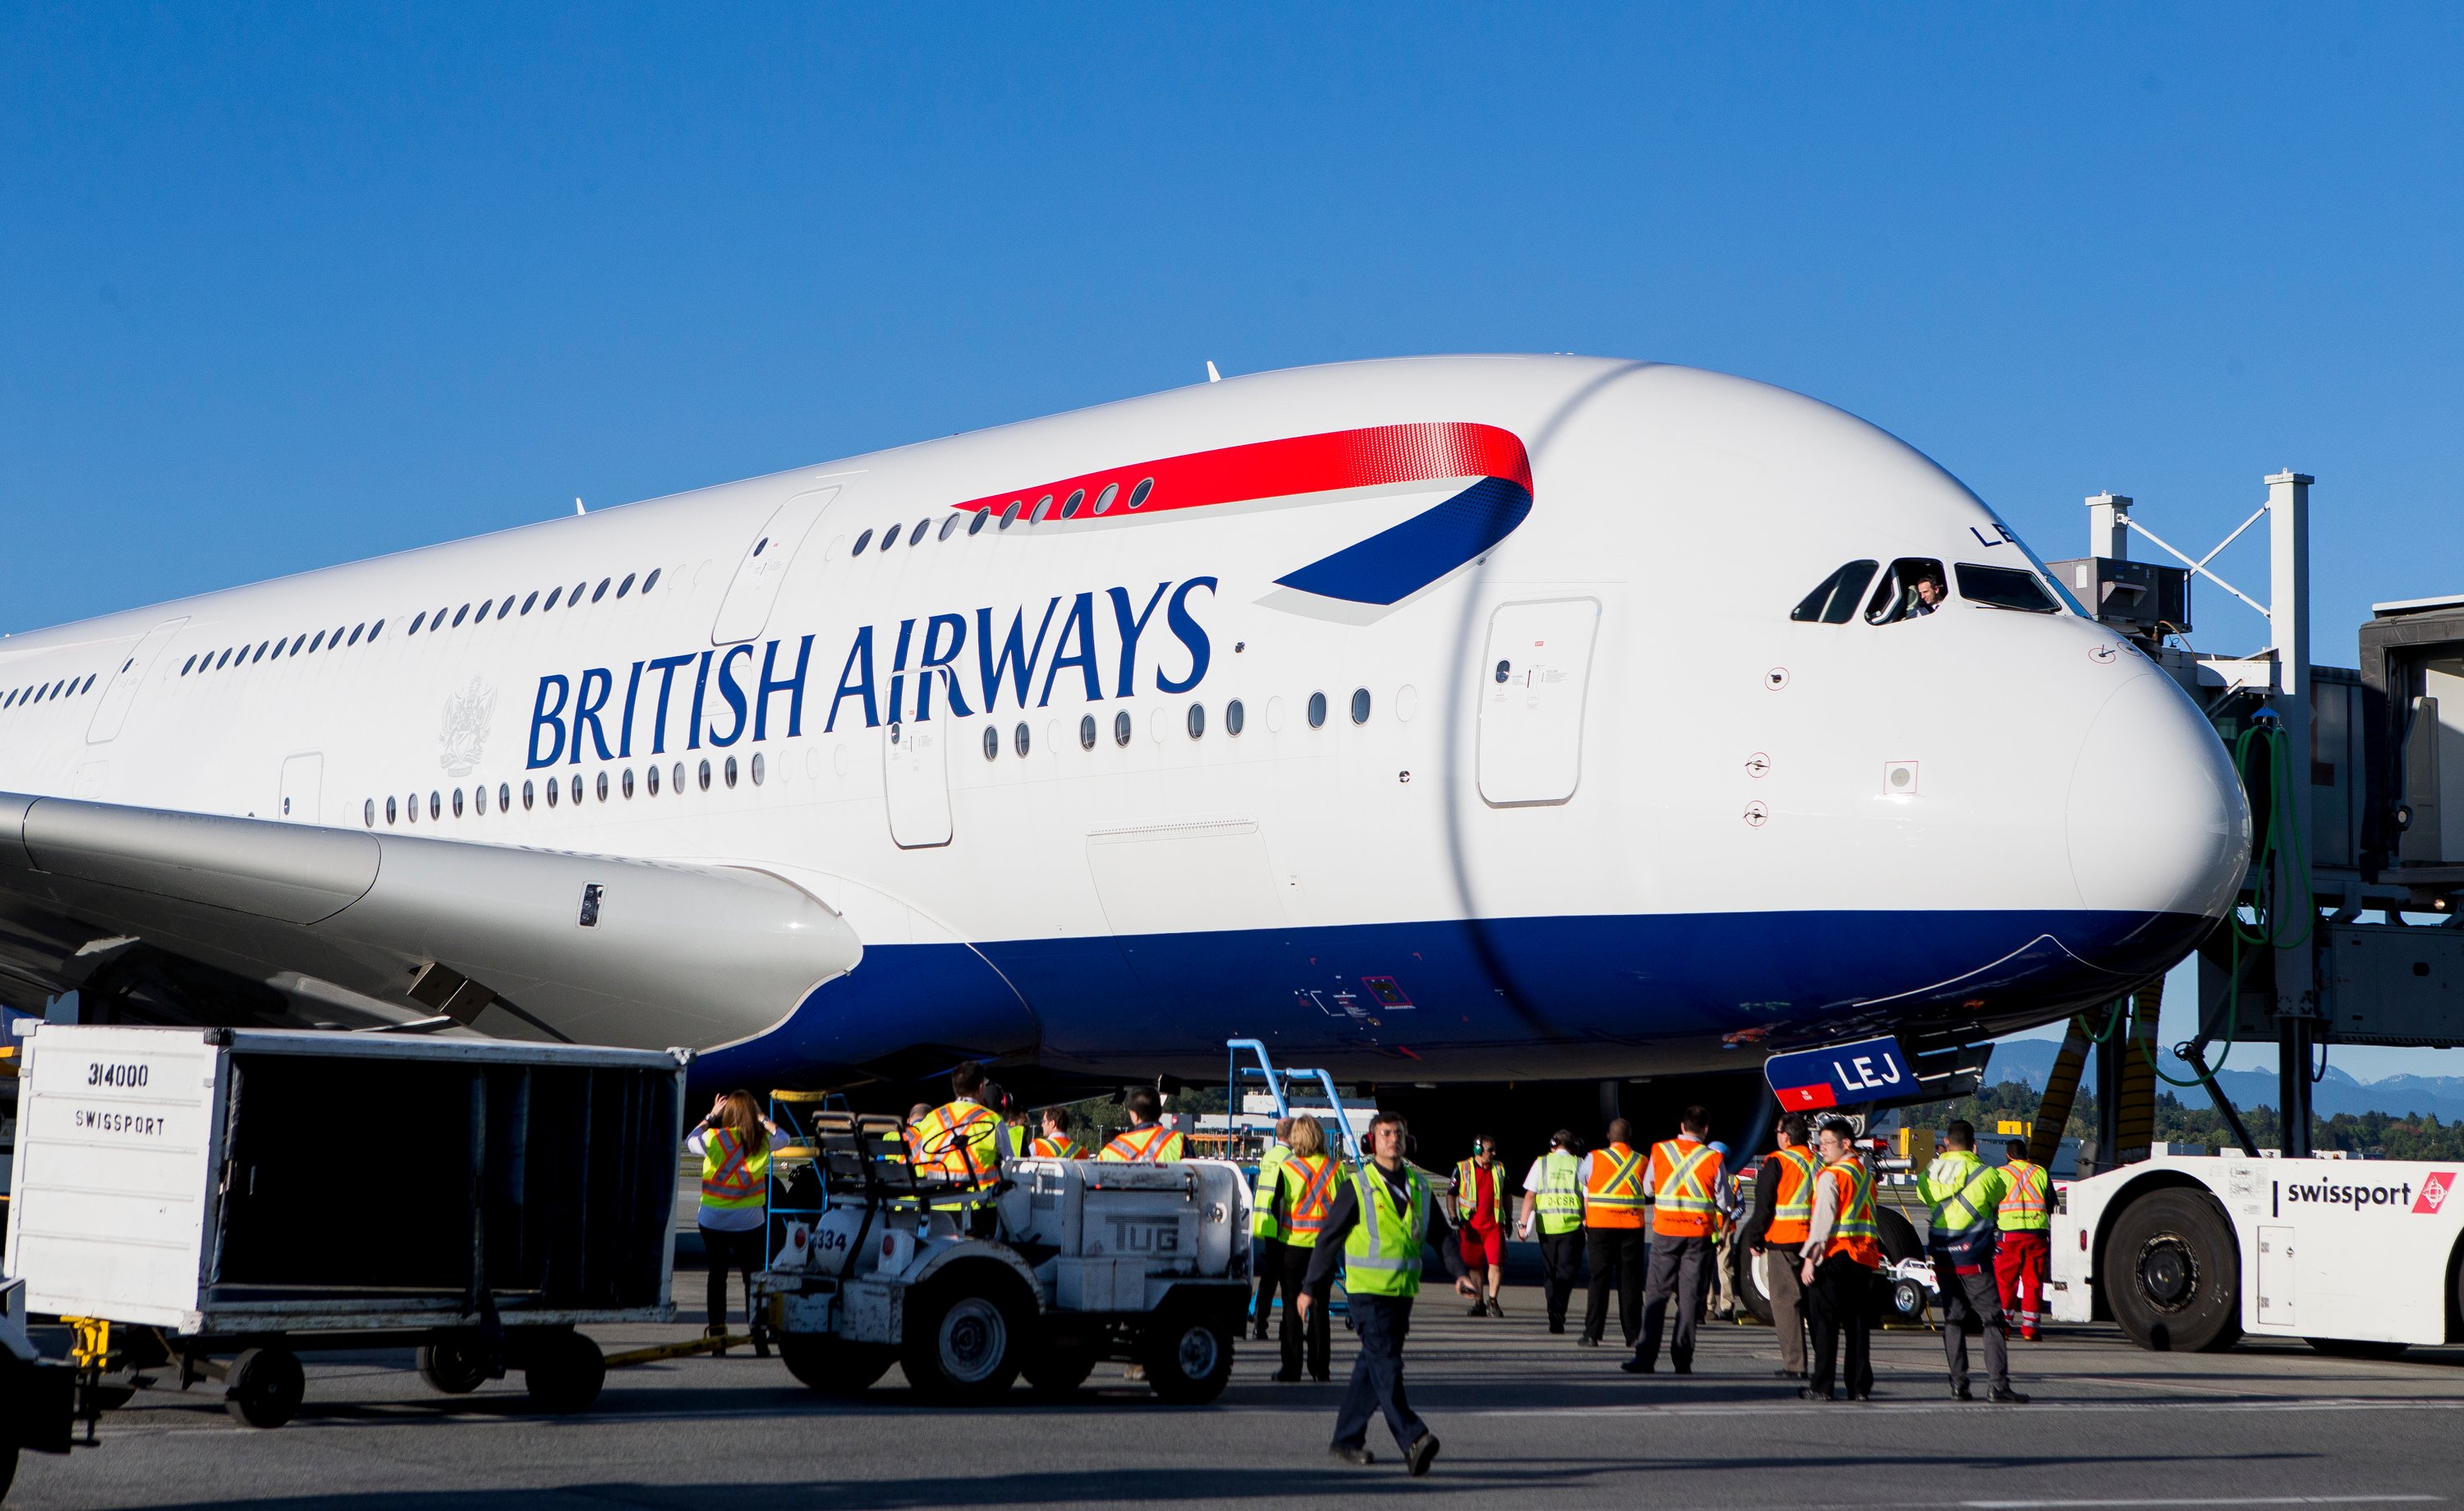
(1558, 1203)
(1467, 1189)
(1382, 1254)
(1962, 1191)
(1151, 1145)
(2027, 1205)
(731, 1176)
(1305, 1189)
(1262, 1220)
(961, 1139)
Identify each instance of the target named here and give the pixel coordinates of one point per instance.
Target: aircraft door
(303, 784)
(916, 777)
(124, 682)
(1532, 683)
(745, 611)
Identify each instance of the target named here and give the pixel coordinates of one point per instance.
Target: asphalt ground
(1526, 1419)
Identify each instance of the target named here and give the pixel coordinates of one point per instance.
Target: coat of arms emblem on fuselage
(464, 735)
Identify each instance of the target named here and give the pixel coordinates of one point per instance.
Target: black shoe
(1322, 1378)
(1861, 1395)
(1286, 1376)
(2004, 1396)
(1961, 1392)
(1684, 1367)
(1788, 1374)
(1807, 1392)
(1361, 1456)
(1494, 1309)
(1415, 1459)
(1478, 1309)
(1258, 1333)
(1556, 1327)
(1587, 1343)
(1638, 1367)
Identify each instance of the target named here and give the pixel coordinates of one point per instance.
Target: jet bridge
(2355, 781)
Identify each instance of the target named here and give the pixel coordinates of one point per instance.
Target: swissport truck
(2360, 1257)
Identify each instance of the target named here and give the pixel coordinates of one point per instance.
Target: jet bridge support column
(2297, 990)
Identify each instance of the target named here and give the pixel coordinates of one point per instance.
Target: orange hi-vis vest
(1856, 1233)
(1062, 1147)
(1311, 1180)
(1683, 1171)
(1151, 1144)
(959, 1138)
(1613, 1198)
(1793, 1203)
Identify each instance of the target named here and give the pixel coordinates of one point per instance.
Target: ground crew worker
(1612, 1199)
(1266, 1234)
(1146, 1141)
(1722, 1301)
(1381, 1217)
(2027, 1244)
(1552, 1197)
(1055, 1142)
(734, 1143)
(1010, 1137)
(1683, 1178)
(959, 1137)
(1301, 1196)
(1783, 1207)
(915, 1116)
(1842, 1249)
(1479, 1213)
(1964, 1194)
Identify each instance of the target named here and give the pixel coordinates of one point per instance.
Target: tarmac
(1526, 1419)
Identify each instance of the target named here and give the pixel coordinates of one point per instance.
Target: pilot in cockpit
(1929, 595)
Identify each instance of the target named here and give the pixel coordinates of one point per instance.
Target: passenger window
(1043, 506)
(731, 771)
(653, 580)
(1121, 727)
(916, 536)
(2004, 587)
(531, 602)
(757, 766)
(1835, 600)
(553, 594)
(416, 619)
(1104, 499)
(355, 633)
(992, 743)
(1069, 510)
(1139, 494)
(651, 780)
(948, 525)
(1317, 711)
(1086, 733)
(314, 644)
(601, 591)
(977, 524)
(1020, 739)
(861, 542)
(1913, 588)
(622, 588)
(1009, 515)
(1197, 720)
(465, 613)
(1235, 717)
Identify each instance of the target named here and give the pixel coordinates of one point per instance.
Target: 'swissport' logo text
(138, 1124)
(2324, 1195)
(1094, 655)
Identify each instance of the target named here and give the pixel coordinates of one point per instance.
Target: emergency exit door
(303, 788)
(117, 698)
(915, 777)
(752, 592)
(1533, 682)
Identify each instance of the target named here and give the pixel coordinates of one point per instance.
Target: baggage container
(190, 1195)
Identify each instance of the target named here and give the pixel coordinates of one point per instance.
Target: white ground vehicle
(2358, 1256)
(1045, 1271)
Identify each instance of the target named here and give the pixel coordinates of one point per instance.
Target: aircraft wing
(253, 920)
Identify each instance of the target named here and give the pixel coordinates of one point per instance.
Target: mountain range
(2028, 1060)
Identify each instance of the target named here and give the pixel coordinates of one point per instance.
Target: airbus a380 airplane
(1433, 720)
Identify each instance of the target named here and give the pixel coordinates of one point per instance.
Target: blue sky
(288, 286)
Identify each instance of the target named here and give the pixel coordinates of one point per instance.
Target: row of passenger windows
(1914, 587)
(1041, 510)
(558, 790)
(1236, 719)
(306, 645)
(45, 692)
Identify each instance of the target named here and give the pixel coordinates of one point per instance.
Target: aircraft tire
(1750, 1288)
(2173, 1272)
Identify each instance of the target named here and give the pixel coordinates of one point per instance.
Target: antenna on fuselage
(576, 507)
(1212, 375)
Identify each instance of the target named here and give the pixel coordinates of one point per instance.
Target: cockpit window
(2005, 587)
(1914, 587)
(1835, 600)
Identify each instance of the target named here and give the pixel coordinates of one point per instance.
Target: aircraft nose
(2156, 817)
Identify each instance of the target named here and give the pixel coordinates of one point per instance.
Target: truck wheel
(963, 1341)
(565, 1372)
(2172, 1275)
(1907, 1301)
(1751, 1291)
(1055, 1374)
(7, 1468)
(2357, 1348)
(834, 1366)
(453, 1366)
(265, 1386)
(1188, 1357)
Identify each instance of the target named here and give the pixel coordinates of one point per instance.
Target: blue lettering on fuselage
(925, 654)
